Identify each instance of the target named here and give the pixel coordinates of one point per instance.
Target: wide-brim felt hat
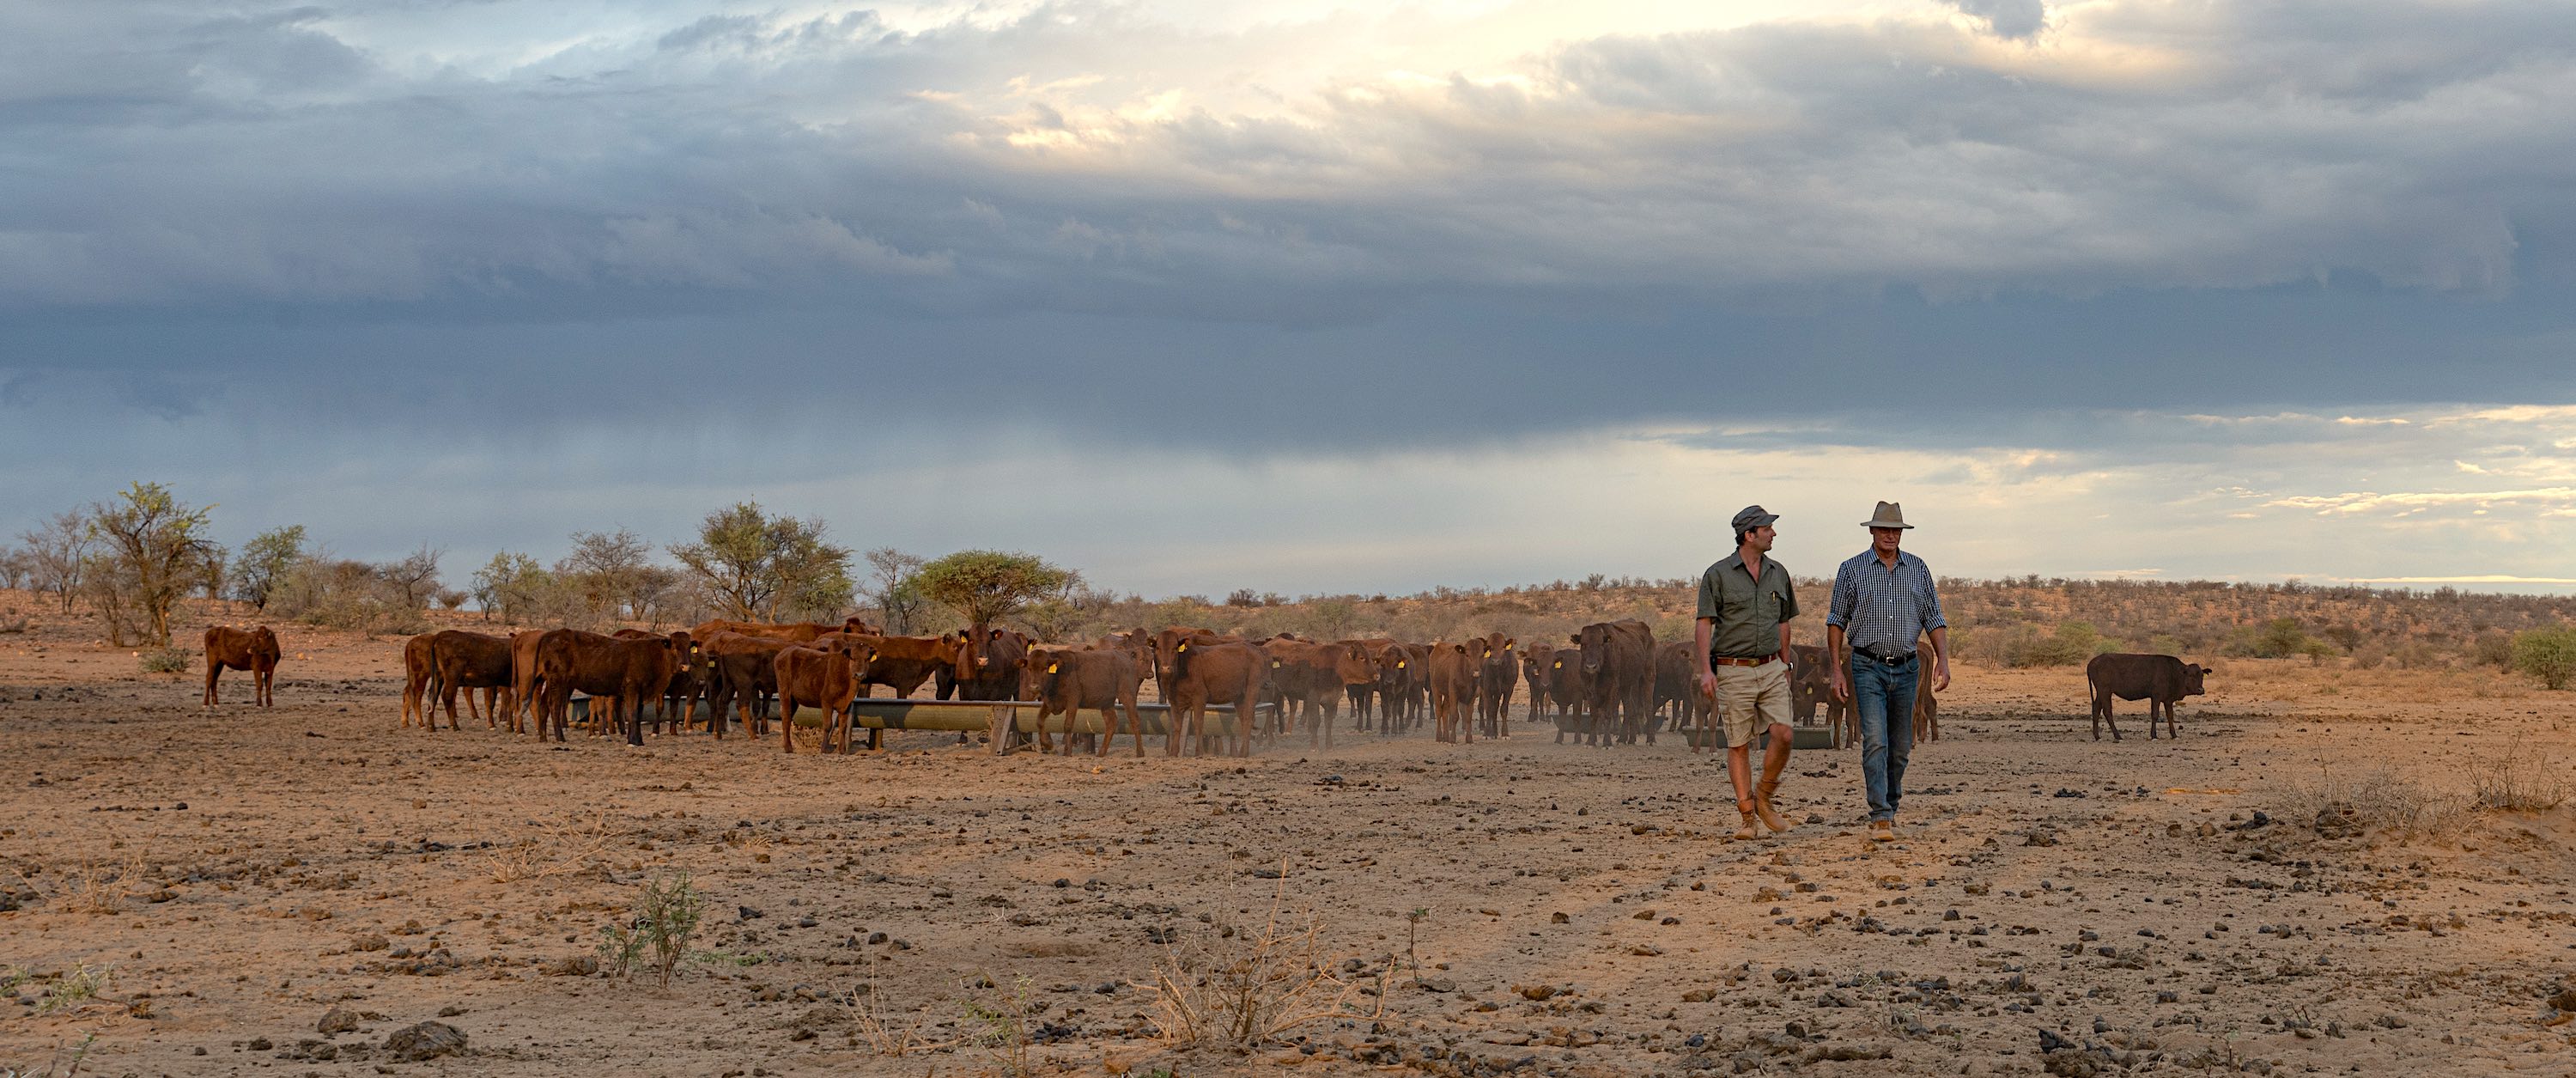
(1889, 515)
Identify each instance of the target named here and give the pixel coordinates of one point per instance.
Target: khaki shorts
(1752, 697)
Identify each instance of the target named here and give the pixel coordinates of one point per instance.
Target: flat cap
(1752, 516)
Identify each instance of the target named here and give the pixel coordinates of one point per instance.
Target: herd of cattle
(1611, 683)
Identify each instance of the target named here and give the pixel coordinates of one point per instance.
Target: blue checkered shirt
(1883, 610)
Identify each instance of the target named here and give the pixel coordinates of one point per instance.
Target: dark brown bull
(253, 649)
(415, 677)
(1195, 674)
(1455, 672)
(824, 677)
(632, 671)
(2160, 680)
(1619, 661)
(1064, 681)
(465, 661)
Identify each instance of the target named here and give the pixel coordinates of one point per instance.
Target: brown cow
(1066, 680)
(1677, 683)
(1455, 671)
(1537, 674)
(902, 663)
(794, 632)
(1569, 689)
(632, 671)
(1195, 674)
(254, 649)
(825, 678)
(415, 677)
(741, 671)
(2160, 680)
(524, 682)
(1811, 683)
(984, 664)
(1619, 658)
(1314, 676)
(1498, 673)
(1399, 687)
(470, 661)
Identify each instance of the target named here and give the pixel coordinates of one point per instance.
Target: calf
(1569, 689)
(824, 678)
(1677, 683)
(741, 671)
(254, 649)
(1811, 683)
(2160, 680)
(1315, 677)
(983, 664)
(1065, 680)
(1497, 674)
(415, 677)
(1456, 670)
(469, 661)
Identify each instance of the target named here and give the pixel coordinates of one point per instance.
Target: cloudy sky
(1311, 296)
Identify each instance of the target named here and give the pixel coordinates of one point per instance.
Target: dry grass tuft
(561, 848)
(2518, 779)
(101, 887)
(884, 1036)
(2378, 800)
(1243, 995)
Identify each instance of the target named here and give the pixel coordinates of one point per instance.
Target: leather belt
(1730, 660)
(1891, 660)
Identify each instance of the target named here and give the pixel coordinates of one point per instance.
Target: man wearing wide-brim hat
(1884, 606)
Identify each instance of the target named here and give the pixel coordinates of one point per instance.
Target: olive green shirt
(1748, 612)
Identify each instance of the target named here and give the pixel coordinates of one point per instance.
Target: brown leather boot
(1746, 833)
(1762, 794)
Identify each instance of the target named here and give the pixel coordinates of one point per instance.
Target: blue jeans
(1883, 697)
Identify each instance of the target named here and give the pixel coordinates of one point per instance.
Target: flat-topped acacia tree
(988, 585)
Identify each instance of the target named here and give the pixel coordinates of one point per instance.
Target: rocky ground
(2297, 884)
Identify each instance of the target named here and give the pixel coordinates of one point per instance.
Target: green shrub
(660, 924)
(166, 661)
(2547, 654)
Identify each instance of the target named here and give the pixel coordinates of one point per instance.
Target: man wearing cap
(1745, 603)
(1883, 604)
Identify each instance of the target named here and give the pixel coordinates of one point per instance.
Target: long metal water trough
(990, 716)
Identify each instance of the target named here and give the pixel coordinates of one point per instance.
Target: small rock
(428, 1040)
(336, 1020)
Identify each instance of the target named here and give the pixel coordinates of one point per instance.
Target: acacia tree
(263, 562)
(510, 585)
(414, 577)
(898, 588)
(153, 550)
(757, 566)
(55, 554)
(988, 585)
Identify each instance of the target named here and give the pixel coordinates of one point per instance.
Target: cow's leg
(214, 670)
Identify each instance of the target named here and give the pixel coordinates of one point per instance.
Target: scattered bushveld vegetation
(130, 560)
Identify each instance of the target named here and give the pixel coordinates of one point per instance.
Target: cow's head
(2191, 675)
(1594, 641)
(1354, 663)
(684, 649)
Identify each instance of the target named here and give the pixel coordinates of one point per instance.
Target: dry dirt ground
(222, 880)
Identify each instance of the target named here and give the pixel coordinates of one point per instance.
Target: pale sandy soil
(264, 867)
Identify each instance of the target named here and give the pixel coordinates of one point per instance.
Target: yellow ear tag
(1399, 666)
(1180, 649)
(1274, 664)
(1560, 666)
(1050, 668)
